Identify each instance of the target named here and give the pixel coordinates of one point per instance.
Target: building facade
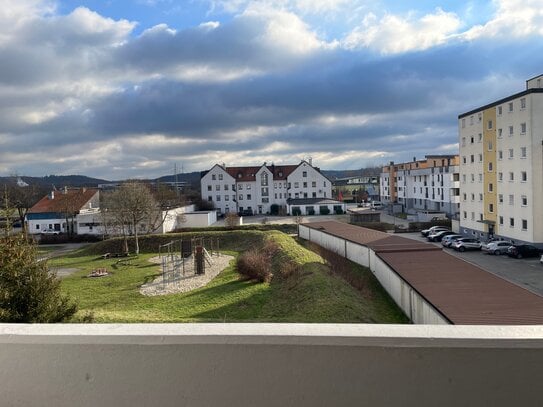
(256, 189)
(501, 169)
(431, 184)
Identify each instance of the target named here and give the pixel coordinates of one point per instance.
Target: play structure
(186, 258)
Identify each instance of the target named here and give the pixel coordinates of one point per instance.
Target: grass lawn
(315, 294)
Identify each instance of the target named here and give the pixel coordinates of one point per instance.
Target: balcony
(270, 365)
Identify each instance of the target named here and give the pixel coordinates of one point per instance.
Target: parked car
(466, 243)
(50, 232)
(246, 212)
(436, 237)
(541, 259)
(496, 247)
(523, 250)
(448, 240)
(433, 229)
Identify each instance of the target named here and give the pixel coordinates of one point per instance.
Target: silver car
(496, 248)
(449, 239)
(466, 243)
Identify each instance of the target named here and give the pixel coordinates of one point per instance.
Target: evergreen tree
(28, 291)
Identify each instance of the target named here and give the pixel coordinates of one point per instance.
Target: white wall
(301, 365)
(412, 304)
(197, 219)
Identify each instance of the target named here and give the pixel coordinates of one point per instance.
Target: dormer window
(280, 173)
(239, 175)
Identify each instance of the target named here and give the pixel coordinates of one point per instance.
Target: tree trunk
(137, 242)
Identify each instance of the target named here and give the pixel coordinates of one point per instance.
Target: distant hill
(192, 178)
(59, 181)
(366, 172)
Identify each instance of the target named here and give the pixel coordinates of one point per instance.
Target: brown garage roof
(462, 292)
(59, 201)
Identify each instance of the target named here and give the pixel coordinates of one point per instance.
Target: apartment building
(501, 168)
(256, 189)
(431, 184)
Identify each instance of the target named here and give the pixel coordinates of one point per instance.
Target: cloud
(513, 19)
(394, 34)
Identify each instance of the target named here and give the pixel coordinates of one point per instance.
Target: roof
(499, 102)
(313, 201)
(462, 292)
(71, 198)
(248, 174)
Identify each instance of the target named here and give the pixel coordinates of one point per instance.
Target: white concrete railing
(270, 365)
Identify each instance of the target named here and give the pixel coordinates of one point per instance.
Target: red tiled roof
(72, 198)
(247, 174)
(462, 292)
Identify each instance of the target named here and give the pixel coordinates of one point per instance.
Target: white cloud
(394, 34)
(513, 19)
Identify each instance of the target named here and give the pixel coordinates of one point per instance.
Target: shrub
(338, 211)
(256, 263)
(310, 211)
(28, 292)
(274, 209)
(231, 220)
(324, 210)
(296, 211)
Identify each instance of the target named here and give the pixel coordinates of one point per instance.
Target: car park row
(461, 243)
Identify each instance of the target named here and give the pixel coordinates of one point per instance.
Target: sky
(128, 89)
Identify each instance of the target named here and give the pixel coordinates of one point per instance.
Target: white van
(377, 205)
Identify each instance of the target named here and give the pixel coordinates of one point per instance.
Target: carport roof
(462, 292)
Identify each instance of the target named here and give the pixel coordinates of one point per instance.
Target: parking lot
(527, 273)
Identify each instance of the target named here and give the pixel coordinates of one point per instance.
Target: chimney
(52, 195)
(311, 161)
(414, 158)
(65, 190)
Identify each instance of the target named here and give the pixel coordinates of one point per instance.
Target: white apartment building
(501, 167)
(431, 184)
(239, 189)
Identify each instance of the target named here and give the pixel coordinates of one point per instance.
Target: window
(500, 198)
(248, 197)
(472, 177)
(464, 196)
(304, 174)
(213, 177)
(233, 187)
(305, 184)
(472, 197)
(490, 146)
(480, 137)
(240, 187)
(218, 198)
(463, 123)
(480, 197)
(210, 198)
(472, 215)
(248, 186)
(489, 125)
(226, 187)
(479, 117)
(220, 177)
(523, 176)
(463, 141)
(471, 120)
(265, 200)
(314, 184)
(524, 200)
(226, 197)
(240, 197)
(480, 158)
(523, 152)
(499, 110)
(264, 191)
(510, 106)
(501, 220)
(510, 131)
(511, 153)
(472, 140)
(522, 128)
(490, 187)
(500, 176)
(480, 177)
(511, 176)
(463, 179)
(512, 222)
(296, 185)
(463, 159)
(472, 159)
(217, 187)
(523, 103)
(491, 208)
(511, 199)
(500, 154)
(264, 179)
(209, 188)
(500, 131)
(524, 224)
(465, 214)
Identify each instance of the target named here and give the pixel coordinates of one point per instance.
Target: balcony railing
(270, 365)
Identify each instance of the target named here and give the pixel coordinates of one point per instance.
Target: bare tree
(21, 199)
(132, 209)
